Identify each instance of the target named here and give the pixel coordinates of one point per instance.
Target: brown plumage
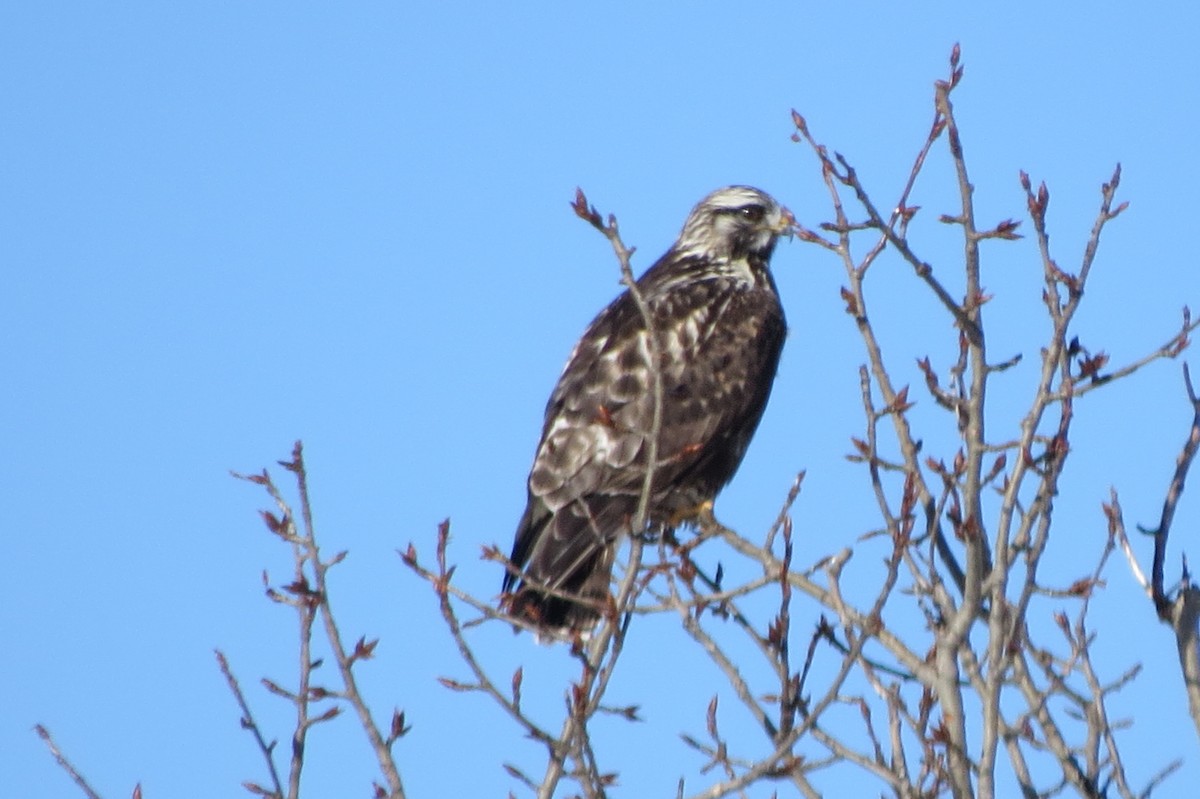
(720, 330)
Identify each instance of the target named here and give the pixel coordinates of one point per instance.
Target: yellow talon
(702, 511)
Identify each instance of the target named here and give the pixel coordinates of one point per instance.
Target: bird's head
(734, 222)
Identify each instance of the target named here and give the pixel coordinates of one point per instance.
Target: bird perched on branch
(719, 328)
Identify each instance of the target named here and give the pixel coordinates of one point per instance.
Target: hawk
(719, 327)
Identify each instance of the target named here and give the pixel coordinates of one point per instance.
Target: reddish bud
(273, 523)
(517, 678)
(799, 122)
(399, 728)
(364, 649)
(851, 302)
(586, 212)
(997, 467)
(1082, 587)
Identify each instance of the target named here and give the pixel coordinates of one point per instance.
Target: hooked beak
(786, 225)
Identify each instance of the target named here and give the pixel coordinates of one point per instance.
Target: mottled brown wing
(575, 507)
(720, 343)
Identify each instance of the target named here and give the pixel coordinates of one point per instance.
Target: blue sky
(226, 226)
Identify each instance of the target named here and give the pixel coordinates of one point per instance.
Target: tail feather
(575, 605)
(566, 557)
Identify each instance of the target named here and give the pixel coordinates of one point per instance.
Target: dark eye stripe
(754, 213)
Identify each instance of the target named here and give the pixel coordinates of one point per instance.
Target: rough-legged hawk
(720, 329)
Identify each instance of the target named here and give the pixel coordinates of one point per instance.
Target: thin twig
(65, 764)
(248, 722)
(345, 661)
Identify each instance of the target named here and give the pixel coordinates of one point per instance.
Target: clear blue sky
(225, 226)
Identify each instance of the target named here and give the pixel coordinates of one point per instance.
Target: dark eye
(752, 213)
